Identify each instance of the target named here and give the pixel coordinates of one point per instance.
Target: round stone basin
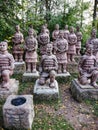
(18, 101)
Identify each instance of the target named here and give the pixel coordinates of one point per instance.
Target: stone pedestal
(4, 93)
(30, 76)
(72, 67)
(20, 67)
(44, 92)
(82, 92)
(18, 112)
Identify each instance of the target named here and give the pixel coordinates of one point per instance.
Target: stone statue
(31, 46)
(93, 36)
(18, 45)
(61, 47)
(34, 31)
(6, 65)
(48, 66)
(79, 38)
(88, 68)
(72, 40)
(47, 30)
(66, 32)
(55, 33)
(43, 40)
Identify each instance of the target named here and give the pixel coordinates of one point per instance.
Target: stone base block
(82, 92)
(18, 112)
(44, 92)
(4, 93)
(63, 74)
(20, 67)
(72, 67)
(30, 76)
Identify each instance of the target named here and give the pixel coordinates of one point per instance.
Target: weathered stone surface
(72, 67)
(63, 74)
(13, 89)
(44, 92)
(20, 67)
(81, 92)
(21, 116)
(30, 76)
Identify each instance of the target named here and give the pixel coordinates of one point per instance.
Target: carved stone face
(17, 28)
(61, 34)
(89, 50)
(3, 46)
(93, 33)
(49, 48)
(57, 26)
(30, 32)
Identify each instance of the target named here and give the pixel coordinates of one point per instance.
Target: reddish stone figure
(55, 33)
(18, 45)
(61, 47)
(47, 30)
(6, 65)
(88, 68)
(43, 40)
(31, 46)
(79, 38)
(72, 40)
(66, 32)
(48, 66)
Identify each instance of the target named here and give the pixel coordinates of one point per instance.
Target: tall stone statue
(6, 65)
(43, 40)
(79, 38)
(55, 33)
(18, 45)
(31, 46)
(48, 66)
(88, 68)
(61, 47)
(66, 32)
(93, 36)
(72, 40)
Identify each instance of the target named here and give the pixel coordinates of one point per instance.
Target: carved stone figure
(31, 46)
(94, 43)
(72, 40)
(34, 31)
(6, 65)
(88, 68)
(55, 33)
(18, 45)
(47, 30)
(61, 47)
(48, 66)
(43, 40)
(79, 38)
(93, 36)
(66, 32)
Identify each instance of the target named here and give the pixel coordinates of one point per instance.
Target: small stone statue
(48, 66)
(34, 31)
(31, 46)
(88, 68)
(66, 32)
(47, 30)
(55, 33)
(18, 45)
(79, 38)
(6, 65)
(61, 47)
(72, 40)
(43, 40)
(93, 36)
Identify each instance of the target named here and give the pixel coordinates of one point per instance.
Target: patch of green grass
(44, 121)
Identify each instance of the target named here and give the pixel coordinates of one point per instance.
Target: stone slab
(14, 85)
(21, 116)
(63, 74)
(44, 92)
(72, 67)
(30, 76)
(83, 92)
(20, 67)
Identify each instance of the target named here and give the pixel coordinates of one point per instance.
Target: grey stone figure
(48, 66)
(43, 40)
(88, 68)
(31, 46)
(55, 33)
(6, 65)
(61, 47)
(18, 40)
(66, 32)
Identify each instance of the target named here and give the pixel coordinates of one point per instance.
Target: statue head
(57, 26)
(66, 27)
(61, 33)
(30, 32)
(71, 29)
(93, 33)
(49, 48)
(17, 27)
(43, 29)
(3, 46)
(89, 50)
